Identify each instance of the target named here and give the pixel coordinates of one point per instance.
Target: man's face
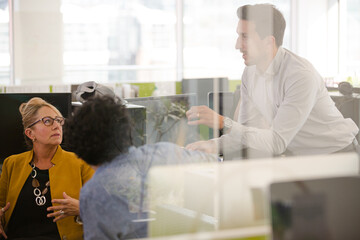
(249, 43)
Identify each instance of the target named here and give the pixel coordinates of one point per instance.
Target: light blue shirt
(113, 202)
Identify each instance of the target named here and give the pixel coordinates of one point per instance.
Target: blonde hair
(29, 110)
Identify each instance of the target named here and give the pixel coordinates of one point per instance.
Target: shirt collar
(56, 158)
(275, 63)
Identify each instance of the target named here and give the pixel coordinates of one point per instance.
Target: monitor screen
(202, 86)
(316, 209)
(224, 105)
(11, 128)
(166, 119)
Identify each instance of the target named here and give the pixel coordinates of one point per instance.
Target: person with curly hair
(39, 189)
(113, 203)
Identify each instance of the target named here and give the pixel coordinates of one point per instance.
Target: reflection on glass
(166, 120)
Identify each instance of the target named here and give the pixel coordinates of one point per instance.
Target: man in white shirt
(284, 106)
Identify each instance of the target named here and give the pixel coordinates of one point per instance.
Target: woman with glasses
(39, 189)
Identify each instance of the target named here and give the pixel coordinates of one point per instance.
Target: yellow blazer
(68, 174)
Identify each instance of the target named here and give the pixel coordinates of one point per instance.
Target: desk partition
(229, 195)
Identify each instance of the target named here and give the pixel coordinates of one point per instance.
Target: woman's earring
(34, 139)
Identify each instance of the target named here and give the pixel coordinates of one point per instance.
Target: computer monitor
(11, 128)
(233, 193)
(166, 119)
(224, 105)
(202, 86)
(137, 116)
(316, 209)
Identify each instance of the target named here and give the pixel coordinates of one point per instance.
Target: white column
(179, 39)
(37, 41)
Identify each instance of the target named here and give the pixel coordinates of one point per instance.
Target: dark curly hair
(99, 130)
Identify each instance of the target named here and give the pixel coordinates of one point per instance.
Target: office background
(49, 45)
(111, 41)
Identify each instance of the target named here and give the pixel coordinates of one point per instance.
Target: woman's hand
(204, 115)
(2, 213)
(66, 207)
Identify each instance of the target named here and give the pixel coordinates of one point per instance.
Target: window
(123, 41)
(119, 41)
(4, 44)
(352, 41)
(210, 35)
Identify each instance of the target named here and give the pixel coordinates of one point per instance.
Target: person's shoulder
(295, 62)
(91, 187)
(16, 161)
(165, 145)
(158, 147)
(19, 157)
(71, 157)
(297, 67)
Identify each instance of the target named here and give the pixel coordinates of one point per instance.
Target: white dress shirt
(287, 108)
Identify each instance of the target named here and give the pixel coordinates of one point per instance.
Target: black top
(28, 220)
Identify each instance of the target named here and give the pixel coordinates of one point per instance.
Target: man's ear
(271, 40)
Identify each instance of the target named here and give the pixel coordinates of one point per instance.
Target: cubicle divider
(230, 195)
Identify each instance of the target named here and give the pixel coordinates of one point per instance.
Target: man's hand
(66, 207)
(204, 115)
(2, 213)
(204, 146)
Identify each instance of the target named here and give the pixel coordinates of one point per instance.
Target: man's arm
(300, 97)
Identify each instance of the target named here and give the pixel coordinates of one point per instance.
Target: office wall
(38, 41)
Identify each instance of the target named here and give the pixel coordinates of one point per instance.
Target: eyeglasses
(49, 121)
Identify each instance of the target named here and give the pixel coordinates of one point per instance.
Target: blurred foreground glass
(230, 195)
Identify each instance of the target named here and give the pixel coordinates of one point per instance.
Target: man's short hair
(268, 20)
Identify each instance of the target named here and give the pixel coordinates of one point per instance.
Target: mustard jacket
(68, 174)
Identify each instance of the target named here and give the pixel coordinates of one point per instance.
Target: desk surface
(255, 232)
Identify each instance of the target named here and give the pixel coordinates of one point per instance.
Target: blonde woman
(39, 189)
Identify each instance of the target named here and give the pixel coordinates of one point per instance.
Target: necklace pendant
(40, 201)
(44, 191)
(35, 183)
(37, 192)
